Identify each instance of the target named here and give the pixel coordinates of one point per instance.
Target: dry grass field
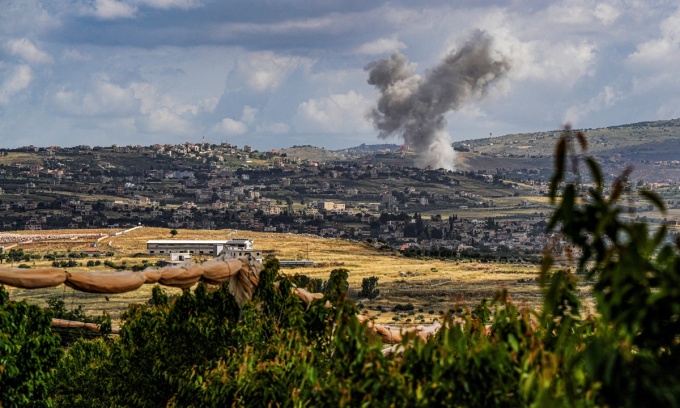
(432, 286)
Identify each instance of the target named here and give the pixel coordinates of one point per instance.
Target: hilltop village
(374, 196)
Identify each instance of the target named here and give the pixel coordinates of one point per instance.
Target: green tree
(15, 255)
(369, 288)
(28, 353)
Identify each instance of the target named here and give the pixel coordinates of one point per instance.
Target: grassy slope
(429, 290)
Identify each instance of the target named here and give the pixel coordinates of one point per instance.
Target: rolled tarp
(105, 282)
(32, 278)
(181, 277)
(152, 275)
(389, 335)
(217, 272)
(69, 324)
(306, 296)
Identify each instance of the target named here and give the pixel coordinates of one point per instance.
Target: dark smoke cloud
(414, 107)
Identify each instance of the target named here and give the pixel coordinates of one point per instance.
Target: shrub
(369, 288)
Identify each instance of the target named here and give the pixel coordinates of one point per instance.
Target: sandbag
(32, 278)
(181, 277)
(216, 272)
(105, 282)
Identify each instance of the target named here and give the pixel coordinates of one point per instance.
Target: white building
(233, 248)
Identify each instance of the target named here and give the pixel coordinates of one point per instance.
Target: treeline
(500, 255)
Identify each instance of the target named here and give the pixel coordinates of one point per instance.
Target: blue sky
(273, 74)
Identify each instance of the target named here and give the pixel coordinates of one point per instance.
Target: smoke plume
(414, 107)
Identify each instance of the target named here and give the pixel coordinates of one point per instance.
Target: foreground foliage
(202, 349)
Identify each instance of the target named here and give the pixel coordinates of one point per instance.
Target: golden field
(432, 286)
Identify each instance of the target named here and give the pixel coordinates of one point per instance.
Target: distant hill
(649, 139)
(650, 148)
(364, 149)
(319, 154)
(312, 153)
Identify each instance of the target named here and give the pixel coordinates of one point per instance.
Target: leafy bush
(399, 307)
(28, 353)
(369, 288)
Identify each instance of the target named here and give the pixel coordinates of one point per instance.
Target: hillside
(650, 148)
(647, 138)
(312, 153)
(433, 285)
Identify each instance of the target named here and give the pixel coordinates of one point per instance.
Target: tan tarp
(181, 277)
(32, 279)
(217, 272)
(242, 284)
(307, 296)
(90, 326)
(152, 275)
(394, 335)
(105, 282)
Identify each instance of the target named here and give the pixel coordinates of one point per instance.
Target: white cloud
(381, 46)
(111, 10)
(661, 51)
(17, 81)
(302, 25)
(209, 104)
(29, 52)
(607, 13)
(171, 4)
(163, 113)
(266, 71)
(606, 98)
(338, 113)
(104, 99)
(164, 120)
(249, 114)
(562, 60)
(230, 126)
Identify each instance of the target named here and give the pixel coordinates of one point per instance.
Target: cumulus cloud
(266, 71)
(184, 67)
(381, 46)
(231, 126)
(607, 13)
(337, 113)
(163, 120)
(161, 112)
(29, 52)
(663, 50)
(18, 80)
(560, 60)
(105, 98)
(604, 99)
(111, 10)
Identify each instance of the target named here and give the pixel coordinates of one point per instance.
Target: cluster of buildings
(208, 186)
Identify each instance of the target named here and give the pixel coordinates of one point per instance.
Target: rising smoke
(414, 107)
